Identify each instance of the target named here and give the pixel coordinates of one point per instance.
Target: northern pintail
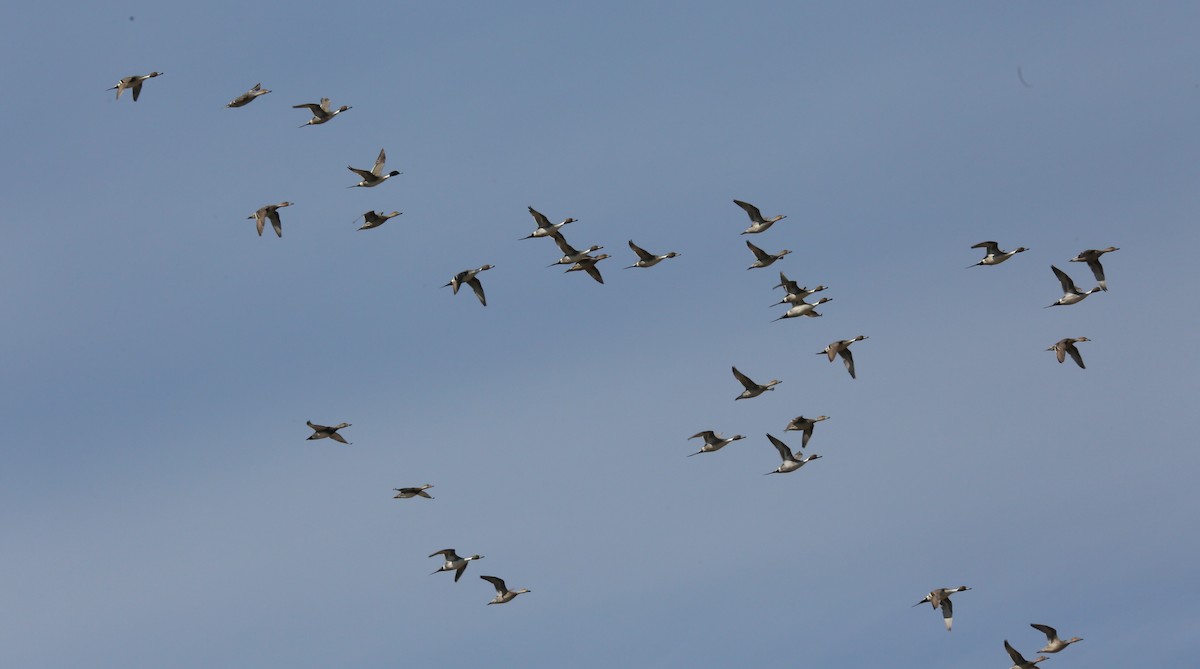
(713, 441)
(1020, 662)
(1092, 258)
(1071, 294)
(940, 598)
(503, 594)
(134, 83)
(375, 176)
(588, 265)
(271, 211)
(993, 255)
(764, 259)
(646, 258)
(406, 493)
(320, 112)
(795, 292)
(248, 97)
(804, 309)
(544, 227)
(453, 562)
(467, 276)
(758, 223)
(790, 463)
(1064, 347)
(1053, 643)
(752, 389)
(327, 432)
(571, 255)
(842, 348)
(805, 425)
(374, 220)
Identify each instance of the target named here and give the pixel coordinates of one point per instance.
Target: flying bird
(993, 255)
(588, 264)
(1071, 294)
(134, 83)
(453, 562)
(646, 258)
(1064, 347)
(271, 211)
(327, 432)
(467, 277)
(842, 348)
(503, 594)
(757, 222)
(752, 389)
(803, 308)
(544, 227)
(940, 598)
(375, 176)
(320, 112)
(805, 425)
(790, 462)
(764, 259)
(1053, 643)
(1092, 258)
(406, 493)
(248, 97)
(374, 220)
(713, 441)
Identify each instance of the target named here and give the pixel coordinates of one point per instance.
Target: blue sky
(162, 507)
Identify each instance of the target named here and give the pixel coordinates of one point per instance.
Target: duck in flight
(248, 97)
(375, 176)
(407, 493)
(1092, 258)
(544, 227)
(503, 594)
(842, 348)
(467, 277)
(320, 112)
(993, 255)
(453, 562)
(646, 258)
(327, 432)
(1071, 294)
(790, 462)
(757, 222)
(940, 598)
(134, 83)
(1064, 347)
(269, 212)
(752, 389)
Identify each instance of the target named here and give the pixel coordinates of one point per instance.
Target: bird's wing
(848, 359)
(1012, 652)
(540, 218)
(784, 451)
(594, 272)
(993, 248)
(641, 252)
(367, 176)
(498, 582)
(1049, 631)
(478, 288)
(758, 253)
(744, 380)
(379, 162)
(948, 613)
(273, 214)
(751, 210)
(563, 246)
(1068, 285)
(1074, 353)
